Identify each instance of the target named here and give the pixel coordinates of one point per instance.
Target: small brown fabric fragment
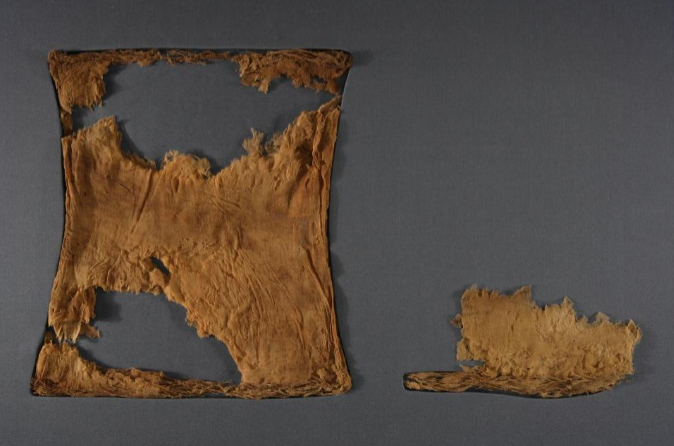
(319, 70)
(530, 350)
(245, 250)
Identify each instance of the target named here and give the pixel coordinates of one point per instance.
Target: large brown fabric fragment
(530, 350)
(245, 250)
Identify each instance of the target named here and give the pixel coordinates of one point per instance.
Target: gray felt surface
(529, 142)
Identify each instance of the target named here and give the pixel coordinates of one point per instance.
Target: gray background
(502, 145)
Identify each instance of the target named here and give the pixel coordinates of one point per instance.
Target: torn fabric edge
(78, 77)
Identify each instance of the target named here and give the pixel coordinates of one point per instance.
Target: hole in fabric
(159, 264)
(149, 332)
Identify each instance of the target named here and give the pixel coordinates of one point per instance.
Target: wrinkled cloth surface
(244, 250)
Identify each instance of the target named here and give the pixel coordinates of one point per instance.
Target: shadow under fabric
(245, 250)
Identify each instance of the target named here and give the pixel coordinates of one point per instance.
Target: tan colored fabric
(246, 251)
(62, 372)
(319, 70)
(531, 350)
(78, 77)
